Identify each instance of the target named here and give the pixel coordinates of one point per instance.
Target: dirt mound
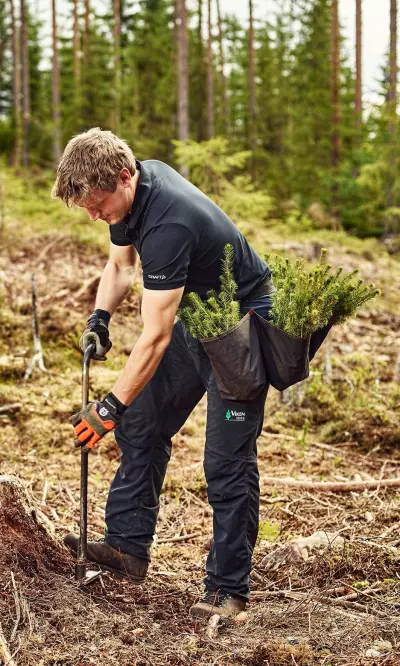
(26, 541)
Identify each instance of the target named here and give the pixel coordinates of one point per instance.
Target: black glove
(97, 332)
(95, 420)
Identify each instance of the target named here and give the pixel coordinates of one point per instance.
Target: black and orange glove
(97, 333)
(96, 420)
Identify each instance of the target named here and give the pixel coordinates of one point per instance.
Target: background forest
(279, 91)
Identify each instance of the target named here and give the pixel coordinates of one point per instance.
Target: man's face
(110, 207)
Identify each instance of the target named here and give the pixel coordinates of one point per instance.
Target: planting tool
(82, 574)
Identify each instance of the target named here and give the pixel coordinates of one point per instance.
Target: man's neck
(134, 182)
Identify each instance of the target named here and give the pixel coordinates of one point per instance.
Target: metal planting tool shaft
(81, 573)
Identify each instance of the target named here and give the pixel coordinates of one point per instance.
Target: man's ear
(125, 177)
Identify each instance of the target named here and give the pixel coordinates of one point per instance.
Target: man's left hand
(95, 420)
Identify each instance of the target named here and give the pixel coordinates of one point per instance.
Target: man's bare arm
(158, 314)
(117, 278)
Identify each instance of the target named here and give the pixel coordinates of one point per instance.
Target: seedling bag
(236, 361)
(255, 353)
(286, 358)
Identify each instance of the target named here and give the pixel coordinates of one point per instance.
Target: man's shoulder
(157, 167)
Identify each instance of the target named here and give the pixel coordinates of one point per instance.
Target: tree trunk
(210, 78)
(76, 49)
(182, 76)
(335, 85)
(55, 91)
(201, 130)
(26, 102)
(86, 60)
(117, 62)
(393, 57)
(225, 114)
(392, 103)
(17, 152)
(252, 84)
(358, 101)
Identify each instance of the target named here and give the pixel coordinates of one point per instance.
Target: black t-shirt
(180, 234)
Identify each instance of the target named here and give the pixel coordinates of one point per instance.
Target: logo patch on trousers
(233, 415)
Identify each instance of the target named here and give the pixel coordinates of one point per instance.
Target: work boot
(111, 559)
(218, 603)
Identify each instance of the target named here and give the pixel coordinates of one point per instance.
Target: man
(179, 235)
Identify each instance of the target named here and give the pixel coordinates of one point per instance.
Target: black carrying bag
(236, 360)
(255, 353)
(287, 358)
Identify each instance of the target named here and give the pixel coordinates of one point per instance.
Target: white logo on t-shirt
(157, 277)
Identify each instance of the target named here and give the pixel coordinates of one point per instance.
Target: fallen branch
(396, 370)
(2, 216)
(389, 530)
(292, 595)
(54, 241)
(212, 626)
(332, 486)
(183, 537)
(278, 594)
(353, 605)
(380, 546)
(273, 500)
(86, 285)
(5, 654)
(14, 407)
(17, 608)
(37, 358)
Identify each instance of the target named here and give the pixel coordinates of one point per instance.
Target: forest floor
(339, 425)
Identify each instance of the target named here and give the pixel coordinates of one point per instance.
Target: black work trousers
(230, 463)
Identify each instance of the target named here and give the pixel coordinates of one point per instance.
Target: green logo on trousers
(232, 415)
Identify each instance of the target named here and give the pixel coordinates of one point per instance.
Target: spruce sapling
(219, 312)
(308, 299)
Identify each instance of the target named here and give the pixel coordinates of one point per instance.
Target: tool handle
(80, 567)
(85, 373)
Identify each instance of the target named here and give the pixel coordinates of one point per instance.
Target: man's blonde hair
(91, 161)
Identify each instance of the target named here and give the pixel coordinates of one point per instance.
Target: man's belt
(262, 289)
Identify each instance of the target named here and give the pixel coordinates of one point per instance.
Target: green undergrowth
(30, 211)
(359, 405)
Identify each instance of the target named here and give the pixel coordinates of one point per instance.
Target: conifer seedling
(219, 312)
(309, 298)
(306, 298)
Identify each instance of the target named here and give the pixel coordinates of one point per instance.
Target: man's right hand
(97, 333)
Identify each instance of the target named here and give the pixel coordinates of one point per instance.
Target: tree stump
(26, 542)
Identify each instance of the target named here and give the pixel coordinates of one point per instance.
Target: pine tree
(55, 91)
(10, 83)
(224, 98)
(311, 114)
(149, 122)
(210, 76)
(197, 76)
(26, 99)
(182, 76)
(358, 96)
